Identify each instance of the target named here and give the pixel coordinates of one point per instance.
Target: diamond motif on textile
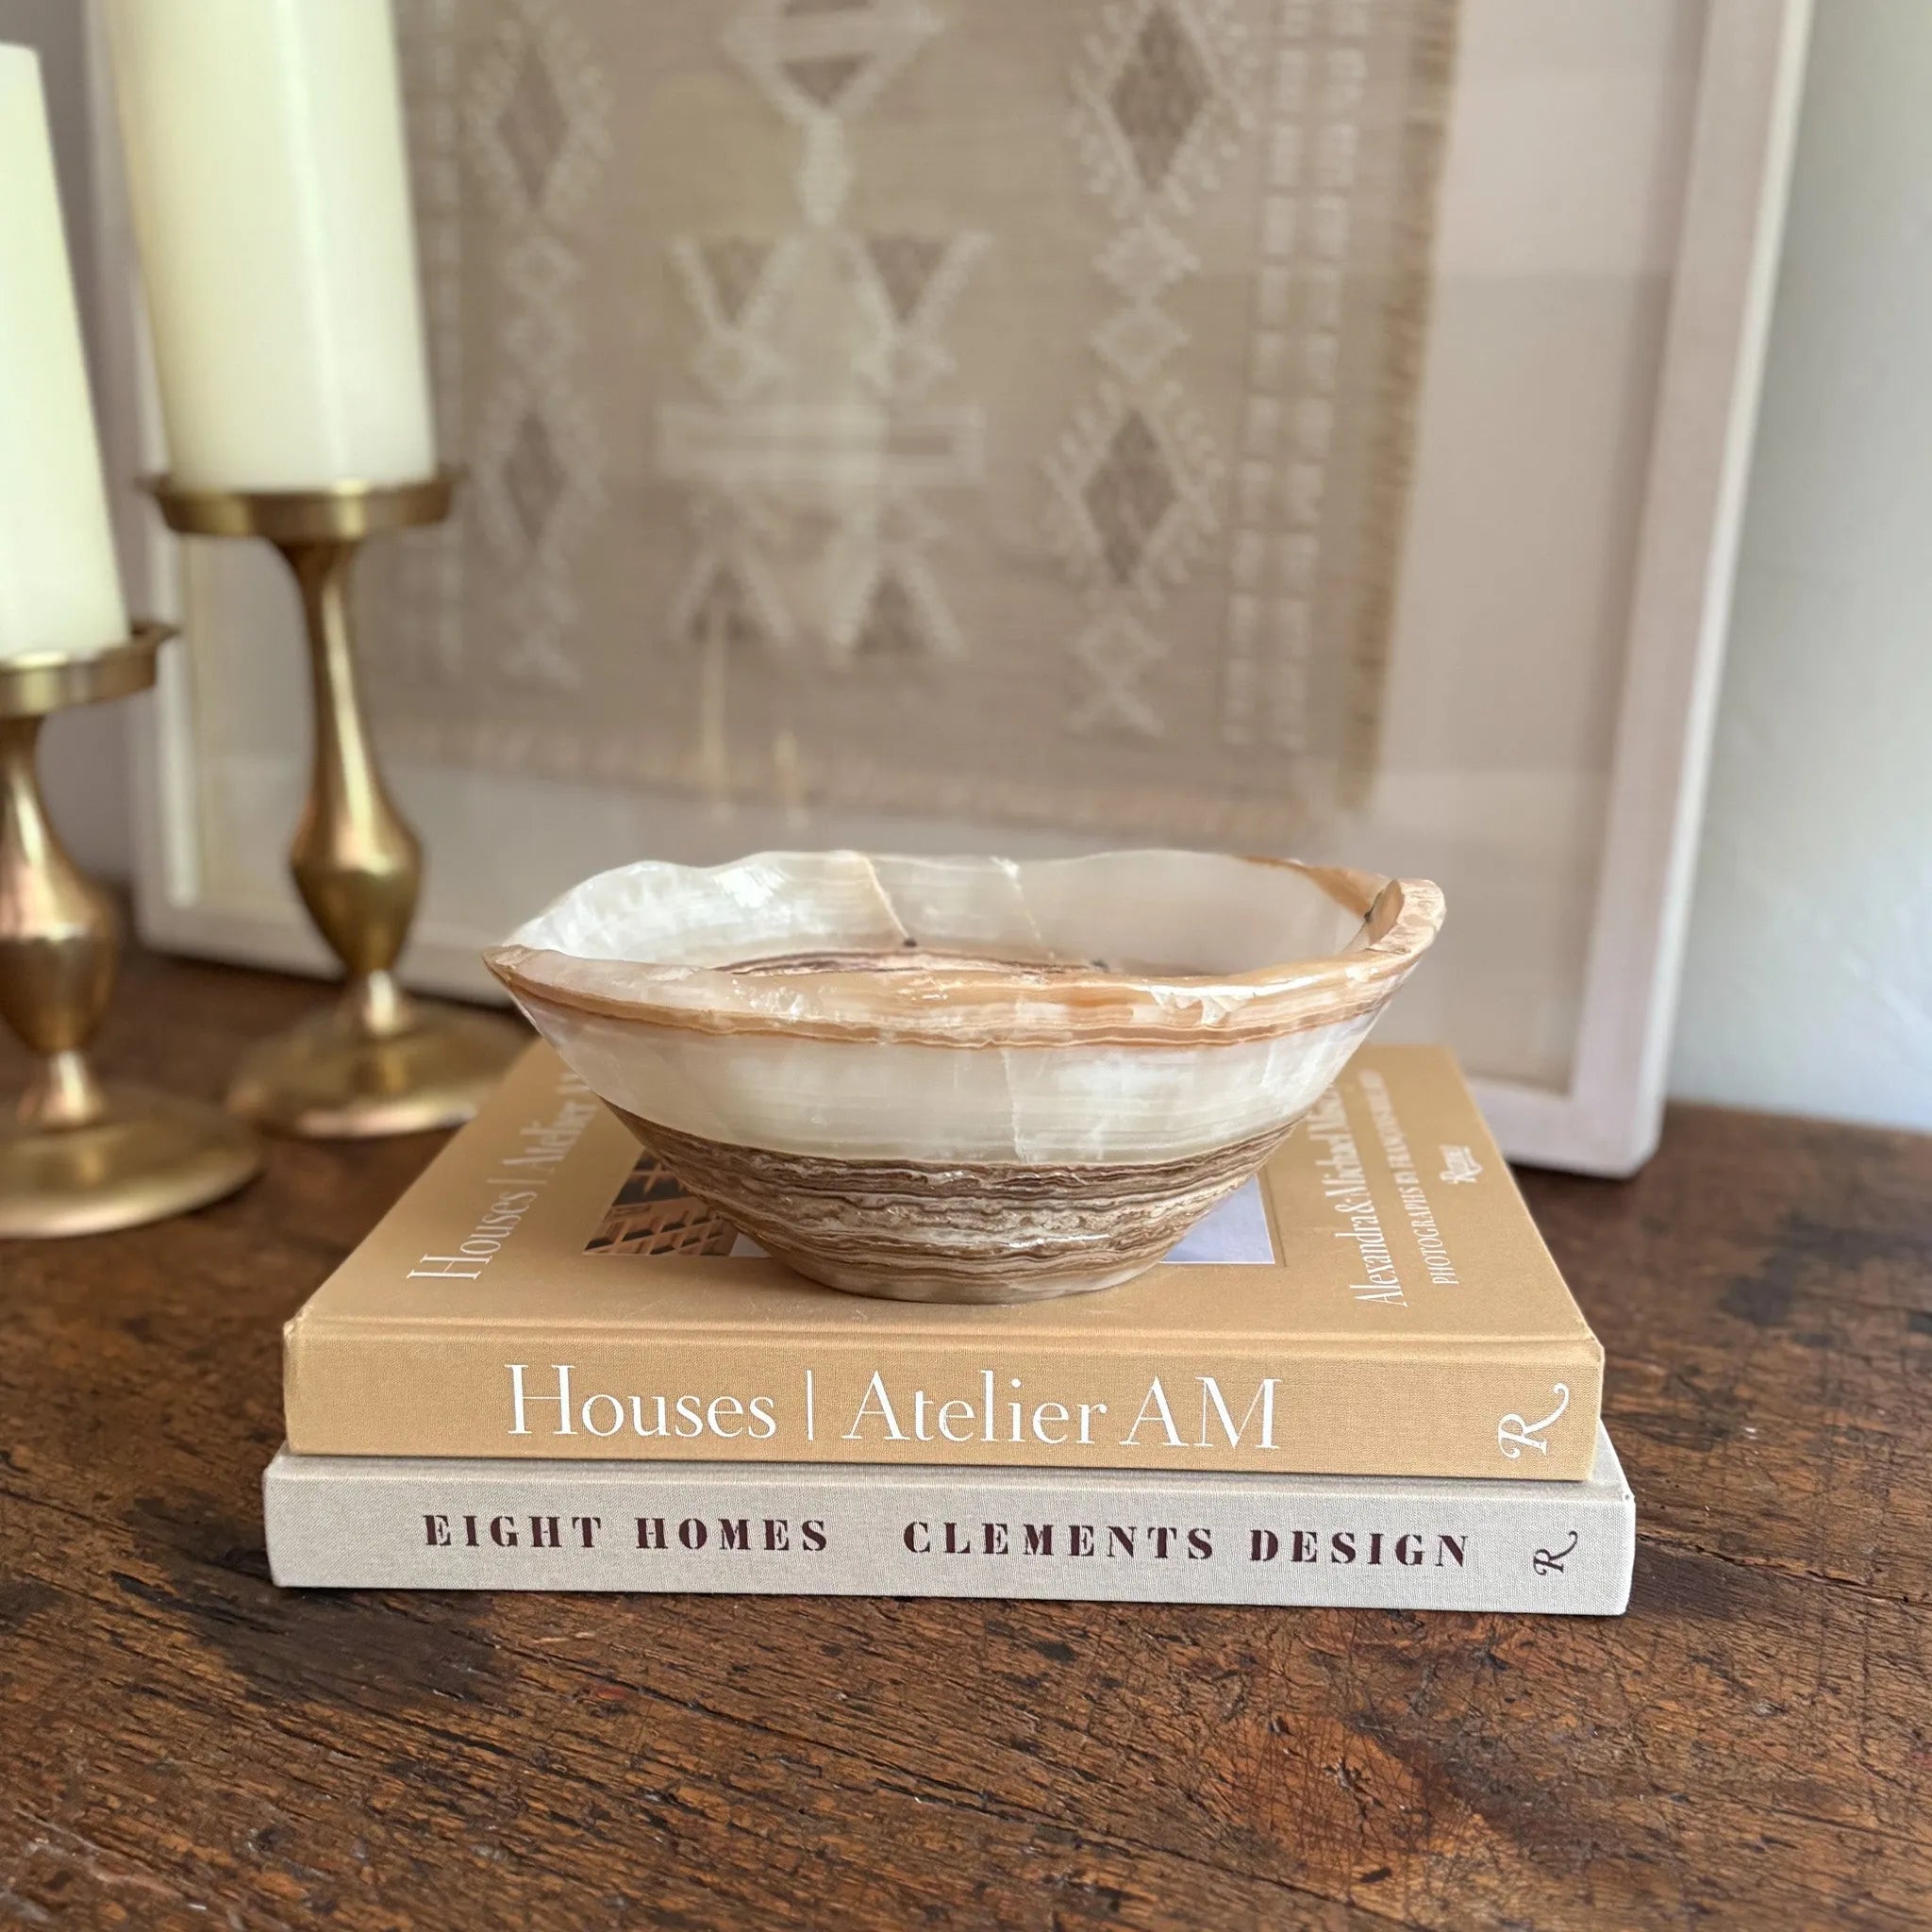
(1137, 341)
(1129, 494)
(905, 265)
(725, 611)
(735, 267)
(1116, 651)
(534, 124)
(823, 61)
(891, 627)
(534, 477)
(825, 81)
(1159, 94)
(1146, 260)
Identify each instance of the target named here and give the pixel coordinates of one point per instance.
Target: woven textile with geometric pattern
(962, 407)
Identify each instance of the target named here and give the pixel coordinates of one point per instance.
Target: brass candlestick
(81, 1158)
(379, 1062)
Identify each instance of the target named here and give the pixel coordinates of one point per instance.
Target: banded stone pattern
(976, 1232)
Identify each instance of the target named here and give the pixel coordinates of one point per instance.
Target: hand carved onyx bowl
(966, 1079)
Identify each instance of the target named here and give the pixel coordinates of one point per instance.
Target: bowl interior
(1138, 914)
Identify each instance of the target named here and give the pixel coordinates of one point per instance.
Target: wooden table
(183, 1744)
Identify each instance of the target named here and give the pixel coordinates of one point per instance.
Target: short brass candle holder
(379, 1062)
(81, 1158)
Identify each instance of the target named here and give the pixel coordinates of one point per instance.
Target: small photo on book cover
(651, 1214)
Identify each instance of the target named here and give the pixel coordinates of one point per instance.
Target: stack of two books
(1360, 1381)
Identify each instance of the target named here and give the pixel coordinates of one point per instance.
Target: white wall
(1808, 987)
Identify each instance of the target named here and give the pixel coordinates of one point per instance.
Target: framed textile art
(1308, 426)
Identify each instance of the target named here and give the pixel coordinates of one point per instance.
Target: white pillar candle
(271, 199)
(60, 589)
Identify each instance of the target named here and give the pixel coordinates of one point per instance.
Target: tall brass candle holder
(81, 1158)
(379, 1062)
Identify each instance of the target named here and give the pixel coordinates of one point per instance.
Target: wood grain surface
(181, 1744)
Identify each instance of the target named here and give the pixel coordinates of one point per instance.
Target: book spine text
(786, 1530)
(1414, 1410)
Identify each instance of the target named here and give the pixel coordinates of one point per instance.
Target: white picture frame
(1737, 105)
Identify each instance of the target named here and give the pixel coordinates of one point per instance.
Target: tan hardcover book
(1377, 1302)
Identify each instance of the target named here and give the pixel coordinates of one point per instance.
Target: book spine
(477, 1391)
(393, 1524)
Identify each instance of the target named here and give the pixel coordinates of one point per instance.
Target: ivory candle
(60, 587)
(271, 203)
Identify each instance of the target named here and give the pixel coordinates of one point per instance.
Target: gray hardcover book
(793, 1529)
